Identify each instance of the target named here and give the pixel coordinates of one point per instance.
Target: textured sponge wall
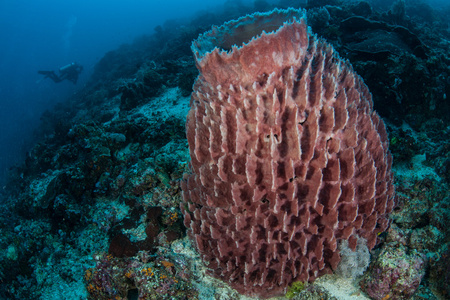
(287, 157)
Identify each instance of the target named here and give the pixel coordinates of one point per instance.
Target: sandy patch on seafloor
(341, 288)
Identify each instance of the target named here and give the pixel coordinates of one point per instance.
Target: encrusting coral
(287, 155)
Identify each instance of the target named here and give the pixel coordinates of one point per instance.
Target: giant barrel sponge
(288, 157)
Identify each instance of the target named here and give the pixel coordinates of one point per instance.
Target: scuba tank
(62, 69)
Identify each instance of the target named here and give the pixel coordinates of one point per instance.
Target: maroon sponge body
(287, 155)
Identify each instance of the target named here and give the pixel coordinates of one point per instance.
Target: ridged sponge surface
(287, 155)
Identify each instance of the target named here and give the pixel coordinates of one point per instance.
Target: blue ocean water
(48, 34)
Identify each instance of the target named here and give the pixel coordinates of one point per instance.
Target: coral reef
(149, 278)
(394, 274)
(106, 165)
(100, 189)
(395, 52)
(288, 156)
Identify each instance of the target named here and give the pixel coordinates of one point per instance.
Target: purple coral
(394, 275)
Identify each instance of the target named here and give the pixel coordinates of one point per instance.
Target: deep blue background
(47, 34)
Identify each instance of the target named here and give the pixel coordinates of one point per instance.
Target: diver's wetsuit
(69, 72)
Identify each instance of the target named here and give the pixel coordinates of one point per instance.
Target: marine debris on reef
(93, 212)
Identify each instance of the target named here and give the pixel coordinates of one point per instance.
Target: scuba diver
(69, 72)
